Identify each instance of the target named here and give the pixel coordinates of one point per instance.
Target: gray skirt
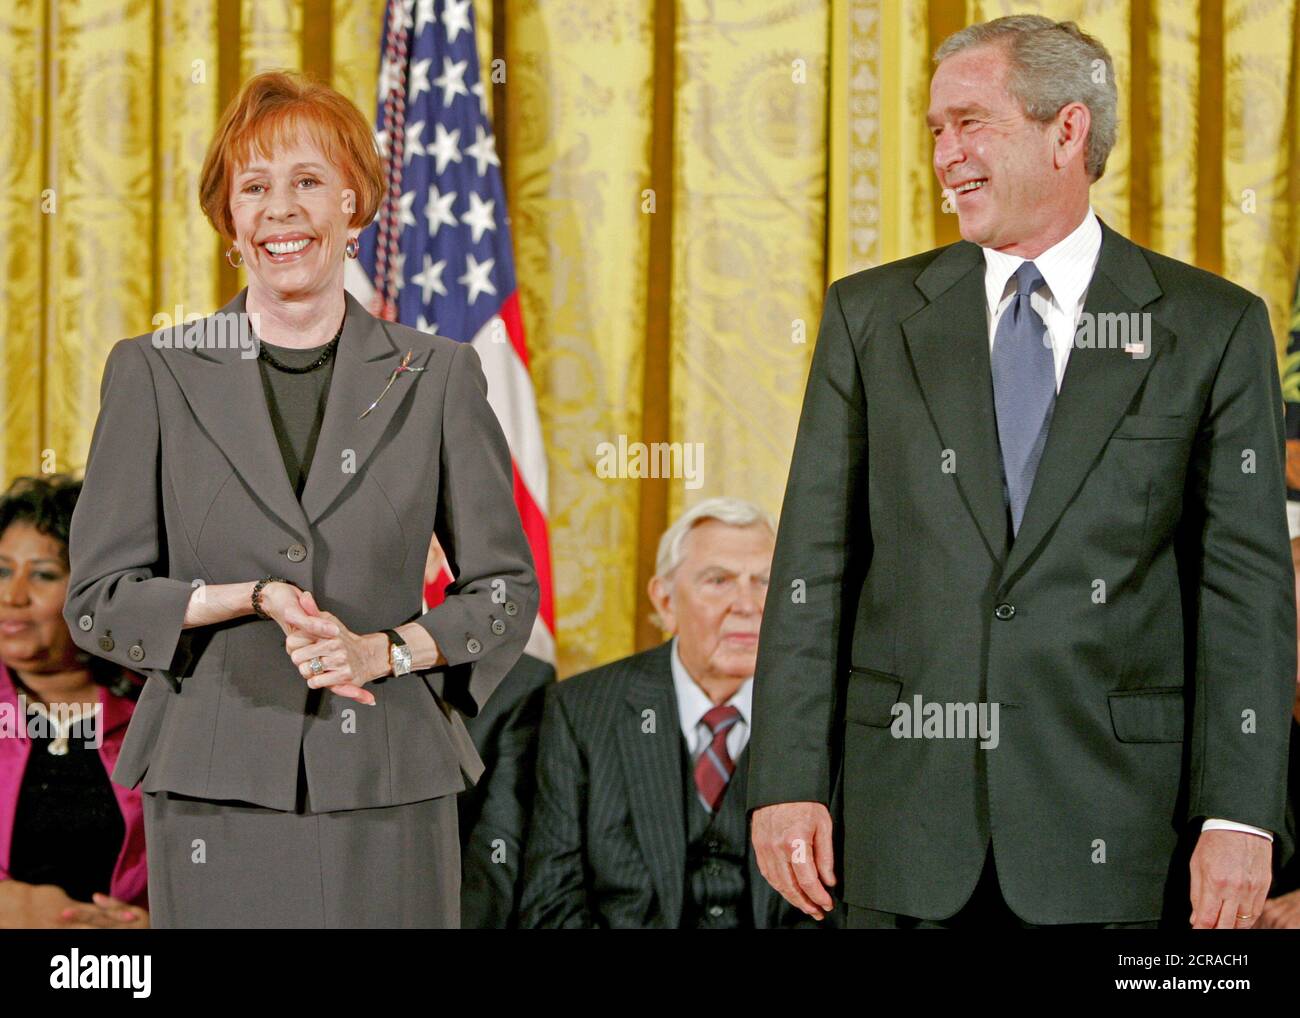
(224, 865)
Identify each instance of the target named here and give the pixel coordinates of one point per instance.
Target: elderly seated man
(640, 812)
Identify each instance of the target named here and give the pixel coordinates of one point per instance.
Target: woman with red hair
(261, 488)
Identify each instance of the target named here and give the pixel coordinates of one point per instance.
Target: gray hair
(735, 512)
(1053, 64)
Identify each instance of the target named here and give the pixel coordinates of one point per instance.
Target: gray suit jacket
(185, 484)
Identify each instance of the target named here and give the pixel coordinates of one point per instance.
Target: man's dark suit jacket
(494, 813)
(607, 844)
(1138, 634)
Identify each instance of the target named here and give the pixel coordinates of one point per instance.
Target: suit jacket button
(1004, 611)
(136, 653)
(512, 608)
(473, 646)
(106, 644)
(85, 623)
(498, 626)
(716, 911)
(296, 553)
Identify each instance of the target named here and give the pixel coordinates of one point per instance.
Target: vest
(717, 855)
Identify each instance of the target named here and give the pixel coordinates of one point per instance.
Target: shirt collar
(1067, 266)
(693, 703)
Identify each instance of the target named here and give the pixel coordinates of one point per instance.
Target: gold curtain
(684, 178)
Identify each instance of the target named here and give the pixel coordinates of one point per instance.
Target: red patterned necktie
(714, 766)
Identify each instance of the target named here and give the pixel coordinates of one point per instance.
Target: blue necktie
(1024, 390)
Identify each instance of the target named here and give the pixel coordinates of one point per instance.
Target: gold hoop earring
(352, 248)
(235, 248)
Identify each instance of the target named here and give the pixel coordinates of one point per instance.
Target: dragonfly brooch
(400, 369)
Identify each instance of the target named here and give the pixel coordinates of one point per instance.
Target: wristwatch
(399, 654)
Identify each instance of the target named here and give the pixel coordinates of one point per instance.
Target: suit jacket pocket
(871, 697)
(1154, 426)
(1148, 715)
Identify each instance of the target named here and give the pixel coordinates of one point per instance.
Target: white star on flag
(423, 325)
(419, 78)
(423, 15)
(430, 280)
(455, 18)
(413, 144)
(476, 277)
(484, 149)
(404, 212)
(479, 217)
(390, 77)
(452, 80)
(438, 210)
(446, 147)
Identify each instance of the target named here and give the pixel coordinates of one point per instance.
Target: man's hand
(1231, 873)
(792, 841)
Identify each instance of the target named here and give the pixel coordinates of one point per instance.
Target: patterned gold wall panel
(907, 200)
(748, 238)
(1175, 76)
(270, 36)
(22, 235)
(101, 240)
(882, 201)
(357, 25)
(854, 151)
(578, 129)
(1259, 223)
(187, 106)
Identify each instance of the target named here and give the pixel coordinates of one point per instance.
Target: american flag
(438, 256)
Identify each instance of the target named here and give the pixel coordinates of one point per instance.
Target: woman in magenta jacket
(72, 849)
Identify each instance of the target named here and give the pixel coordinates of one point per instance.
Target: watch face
(401, 660)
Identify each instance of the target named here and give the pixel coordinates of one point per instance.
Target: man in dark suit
(640, 819)
(494, 813)
(1031, 627)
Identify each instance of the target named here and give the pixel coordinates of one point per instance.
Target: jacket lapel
(948, 342)
(1099, 384)
(367, 357)
(216, 369)
(654, 778)
(223, 385)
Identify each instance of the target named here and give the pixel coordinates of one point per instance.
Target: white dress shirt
(693, 703)
(1067, 267)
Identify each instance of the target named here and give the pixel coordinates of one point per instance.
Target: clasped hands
(350, 659)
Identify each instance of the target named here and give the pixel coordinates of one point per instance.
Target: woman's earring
(351, 248)
(234, 250)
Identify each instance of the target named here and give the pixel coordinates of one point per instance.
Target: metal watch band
(395, 640)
